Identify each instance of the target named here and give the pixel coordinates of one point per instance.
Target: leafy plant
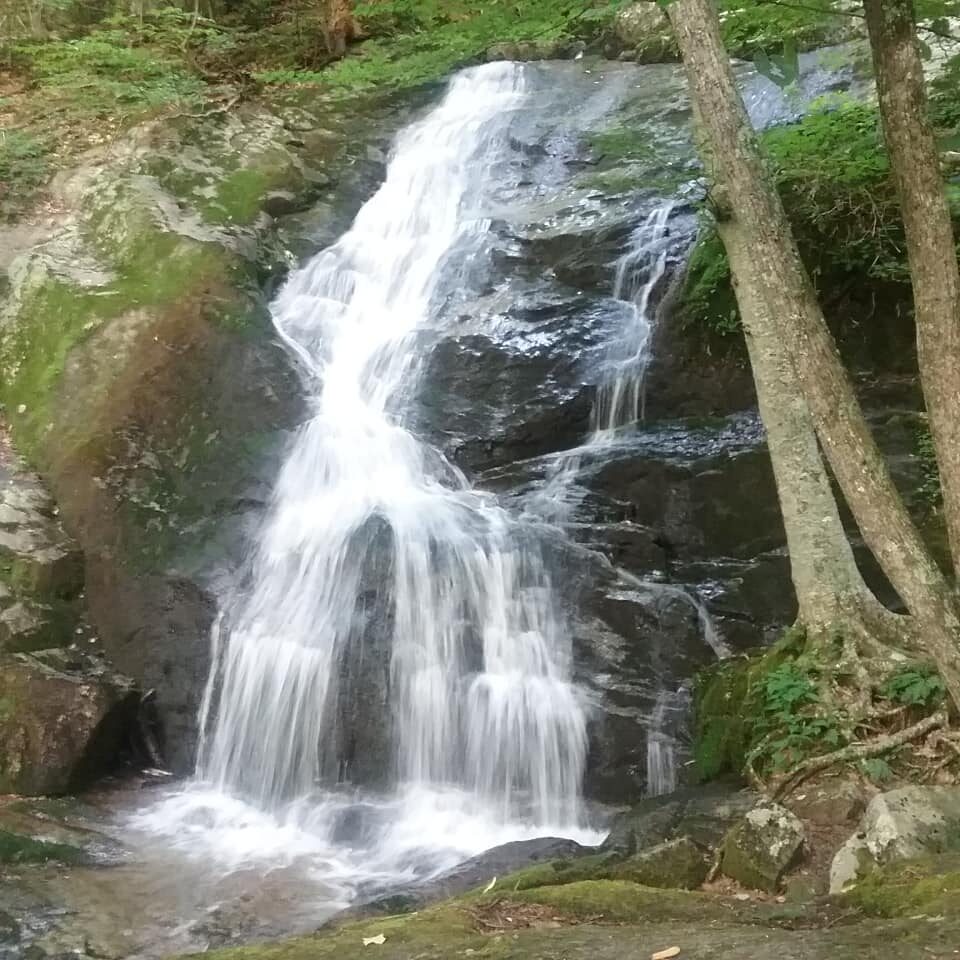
(877, 769)
(791, 724)
(23, 168)
(918, 685)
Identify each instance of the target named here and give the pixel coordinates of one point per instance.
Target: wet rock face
(59, 727)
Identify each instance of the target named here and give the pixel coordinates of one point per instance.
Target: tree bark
(339, 26)
(831, 593)
(932, 255)
(748, 197)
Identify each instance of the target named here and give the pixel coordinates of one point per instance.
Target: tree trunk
(831, 594)
(748, 198)
(339, 27)
(930, 243)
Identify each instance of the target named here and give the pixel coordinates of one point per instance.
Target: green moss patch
(15, 848)
(929, 886)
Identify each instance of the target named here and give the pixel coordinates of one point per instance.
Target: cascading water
(484, 716)
(638, 272)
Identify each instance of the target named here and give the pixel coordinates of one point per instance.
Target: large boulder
(59, 727)
(140, 373)
(703, 815)
(675, 864)
(762, 846)
(899, 825)
(478, 871)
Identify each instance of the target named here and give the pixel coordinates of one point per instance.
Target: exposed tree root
(858, 751)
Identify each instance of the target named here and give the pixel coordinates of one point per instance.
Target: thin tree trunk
(749, 198)
(339, 27)
(929, 231)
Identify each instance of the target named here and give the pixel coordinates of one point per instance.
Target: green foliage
(917, 685)
(23, 168)
(834, 177)
(791, 725)
(756, 25)
(877, 769)
(417, 41)
(707, 294)
(783, 69)
(102, 73)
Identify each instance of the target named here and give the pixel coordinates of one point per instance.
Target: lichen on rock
(762, 846)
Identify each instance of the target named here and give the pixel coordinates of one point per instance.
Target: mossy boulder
(58, 729)
(762, 847)
(704, 815)
(140, 373)
(678, 864)
(928, 886)
(900, 824)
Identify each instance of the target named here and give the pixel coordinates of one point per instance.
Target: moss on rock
(16, 848)
(928, 886)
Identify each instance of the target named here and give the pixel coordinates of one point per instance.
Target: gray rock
(851, 862)
(762, 846)
(898, 825)
(472, 873)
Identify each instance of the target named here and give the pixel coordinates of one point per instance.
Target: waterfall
(661, 748)
(481, 701)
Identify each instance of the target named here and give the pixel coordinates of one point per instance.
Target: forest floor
(713, 929)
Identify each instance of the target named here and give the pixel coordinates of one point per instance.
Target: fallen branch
(858, 751)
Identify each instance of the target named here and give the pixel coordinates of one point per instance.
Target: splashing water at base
(488, 736)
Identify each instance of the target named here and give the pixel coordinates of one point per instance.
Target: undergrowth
(764, 717)
(23, 168)
(834, 177)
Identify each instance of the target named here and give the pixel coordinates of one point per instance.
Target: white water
(489, 733)
(638, 273)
